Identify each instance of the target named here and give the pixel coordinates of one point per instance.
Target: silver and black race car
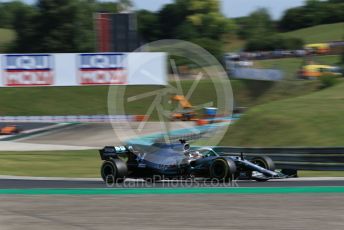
(171, 161)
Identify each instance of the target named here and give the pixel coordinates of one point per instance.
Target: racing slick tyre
(222, 169)
(264, 162)
(114, 171)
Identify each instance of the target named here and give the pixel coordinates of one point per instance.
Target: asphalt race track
(97, 134)
(171, 212)
(94, 183)
(26, 125)
(22, 208)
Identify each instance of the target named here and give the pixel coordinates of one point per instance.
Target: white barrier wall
(29, 70)
(70, 118)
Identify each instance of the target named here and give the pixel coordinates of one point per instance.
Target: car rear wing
(113, 151)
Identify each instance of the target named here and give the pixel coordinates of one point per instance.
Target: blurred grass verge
(308, 120)
(320, 33)
(92, 100)
(290, 66)
(305, 173)
(85, 163)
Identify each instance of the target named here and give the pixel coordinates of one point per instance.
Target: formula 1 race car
(10, 130)
(170, 161)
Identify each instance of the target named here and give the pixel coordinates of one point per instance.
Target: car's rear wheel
(222, 169)
(114, 171)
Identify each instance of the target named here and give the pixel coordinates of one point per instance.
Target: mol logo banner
(28, 70)
(83, 69)
(102, 69)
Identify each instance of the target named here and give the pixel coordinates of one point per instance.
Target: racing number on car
(120, 149)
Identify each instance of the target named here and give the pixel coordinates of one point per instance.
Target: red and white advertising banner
(83, 69)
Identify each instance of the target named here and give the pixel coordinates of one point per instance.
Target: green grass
(321, 33)
(320, 173)
(54, 100)
(251, 93)
(93, 99)
(85, 100)
(290, 66)
(6, 37)
(85, 163)
(310, 120)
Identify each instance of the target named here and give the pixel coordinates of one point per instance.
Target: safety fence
(300, 158)
(73, 118)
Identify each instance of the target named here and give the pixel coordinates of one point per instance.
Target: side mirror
(242, 156)
(186, 147)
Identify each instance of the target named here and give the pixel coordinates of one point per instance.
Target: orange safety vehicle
(10, 130)
(317, 71)
(318, 48)
(186, 113)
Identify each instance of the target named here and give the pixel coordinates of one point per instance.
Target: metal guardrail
(73, 118)
(305, 158)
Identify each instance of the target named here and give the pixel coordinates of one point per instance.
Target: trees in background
(23, 24)
(314, 12)
(273, 42)
(106, 7)
(256, 24)
(261, 32)
(148, 25)
(53, 25)
(67, 25)
(56, 26)
(262, 35)
(205, 18)
(197, 21)
(188, 19)
(9, 11)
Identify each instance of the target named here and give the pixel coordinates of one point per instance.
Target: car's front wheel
(264, 162)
